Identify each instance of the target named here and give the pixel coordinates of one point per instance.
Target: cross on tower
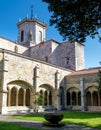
(31, 11)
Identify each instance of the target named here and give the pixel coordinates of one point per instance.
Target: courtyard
(72, 120)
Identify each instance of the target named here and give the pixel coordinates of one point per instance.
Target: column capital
(57, 75)
(81, 79)
(37, 71)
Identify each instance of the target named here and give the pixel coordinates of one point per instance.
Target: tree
(76, 19)
(38, 101)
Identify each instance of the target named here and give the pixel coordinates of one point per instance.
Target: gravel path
(34, 124)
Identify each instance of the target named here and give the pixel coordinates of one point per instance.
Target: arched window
(20, 97)
(95, 98)
(68, 98)
(61, 96)
(74, 98)
(22, 36)
(27, 97)
(45, 98)
(50, 98)
(88, 98)
(13, 96)
(40, 36)
(79, 98)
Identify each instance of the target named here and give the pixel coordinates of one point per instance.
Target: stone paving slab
(34, 124)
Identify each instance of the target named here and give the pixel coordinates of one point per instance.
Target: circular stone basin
(53, 118)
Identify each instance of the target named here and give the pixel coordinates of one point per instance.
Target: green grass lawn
(82, 118)
(11, 126)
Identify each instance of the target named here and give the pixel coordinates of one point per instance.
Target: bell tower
(31, 31)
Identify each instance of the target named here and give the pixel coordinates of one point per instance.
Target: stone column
(54, 96)
(9, 97)
(47, 98)
(4, 83)
(82, 94)
(58, 95)
(43, 101)
(91, 99)
(36, 76)
(65, 99)
(24, 98)
(35, 85)
(70, 98)
(57, 77)
(77, 99)
(17, 95)
(98, 99)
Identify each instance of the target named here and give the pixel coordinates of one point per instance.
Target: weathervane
(31, 11)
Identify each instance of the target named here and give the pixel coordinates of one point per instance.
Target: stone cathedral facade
(55, 70)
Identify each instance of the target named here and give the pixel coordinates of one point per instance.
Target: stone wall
(79, 56)
(89, 80)
(13, 46)
(41, 51)
(18, 68)
(67, 55)
(86, 87)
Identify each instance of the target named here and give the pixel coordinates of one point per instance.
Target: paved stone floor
(33, 124)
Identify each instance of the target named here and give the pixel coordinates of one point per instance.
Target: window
(67, 60)
(16, 49)
(46, 58)
(40, 36)
(22, 36)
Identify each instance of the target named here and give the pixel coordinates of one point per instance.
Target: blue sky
(13, 10)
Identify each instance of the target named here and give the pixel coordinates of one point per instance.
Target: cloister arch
(73, 96)
(45, 97)
(13, 96)
(93, 97)
(61, 91)
(21, 83)
(20, 97)
(79, 98)
(68, 98)
(19, 93)
(88, 98)
(46, 91)
(27, 97)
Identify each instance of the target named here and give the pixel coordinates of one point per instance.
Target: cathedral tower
(31, 32)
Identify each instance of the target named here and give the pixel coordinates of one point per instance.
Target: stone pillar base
(4, 110)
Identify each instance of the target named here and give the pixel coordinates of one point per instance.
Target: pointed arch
(68, 98)
(27, 97)
(13, 96)
(95, 98)
(79, 98)
(88, 98)
(45, 97)
(50, 98)
(73, 98)
(61, 96)
(46, 91)
(20, 97)
(20, 83)
(22, 35)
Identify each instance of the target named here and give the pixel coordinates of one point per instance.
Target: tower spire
(31, 11)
